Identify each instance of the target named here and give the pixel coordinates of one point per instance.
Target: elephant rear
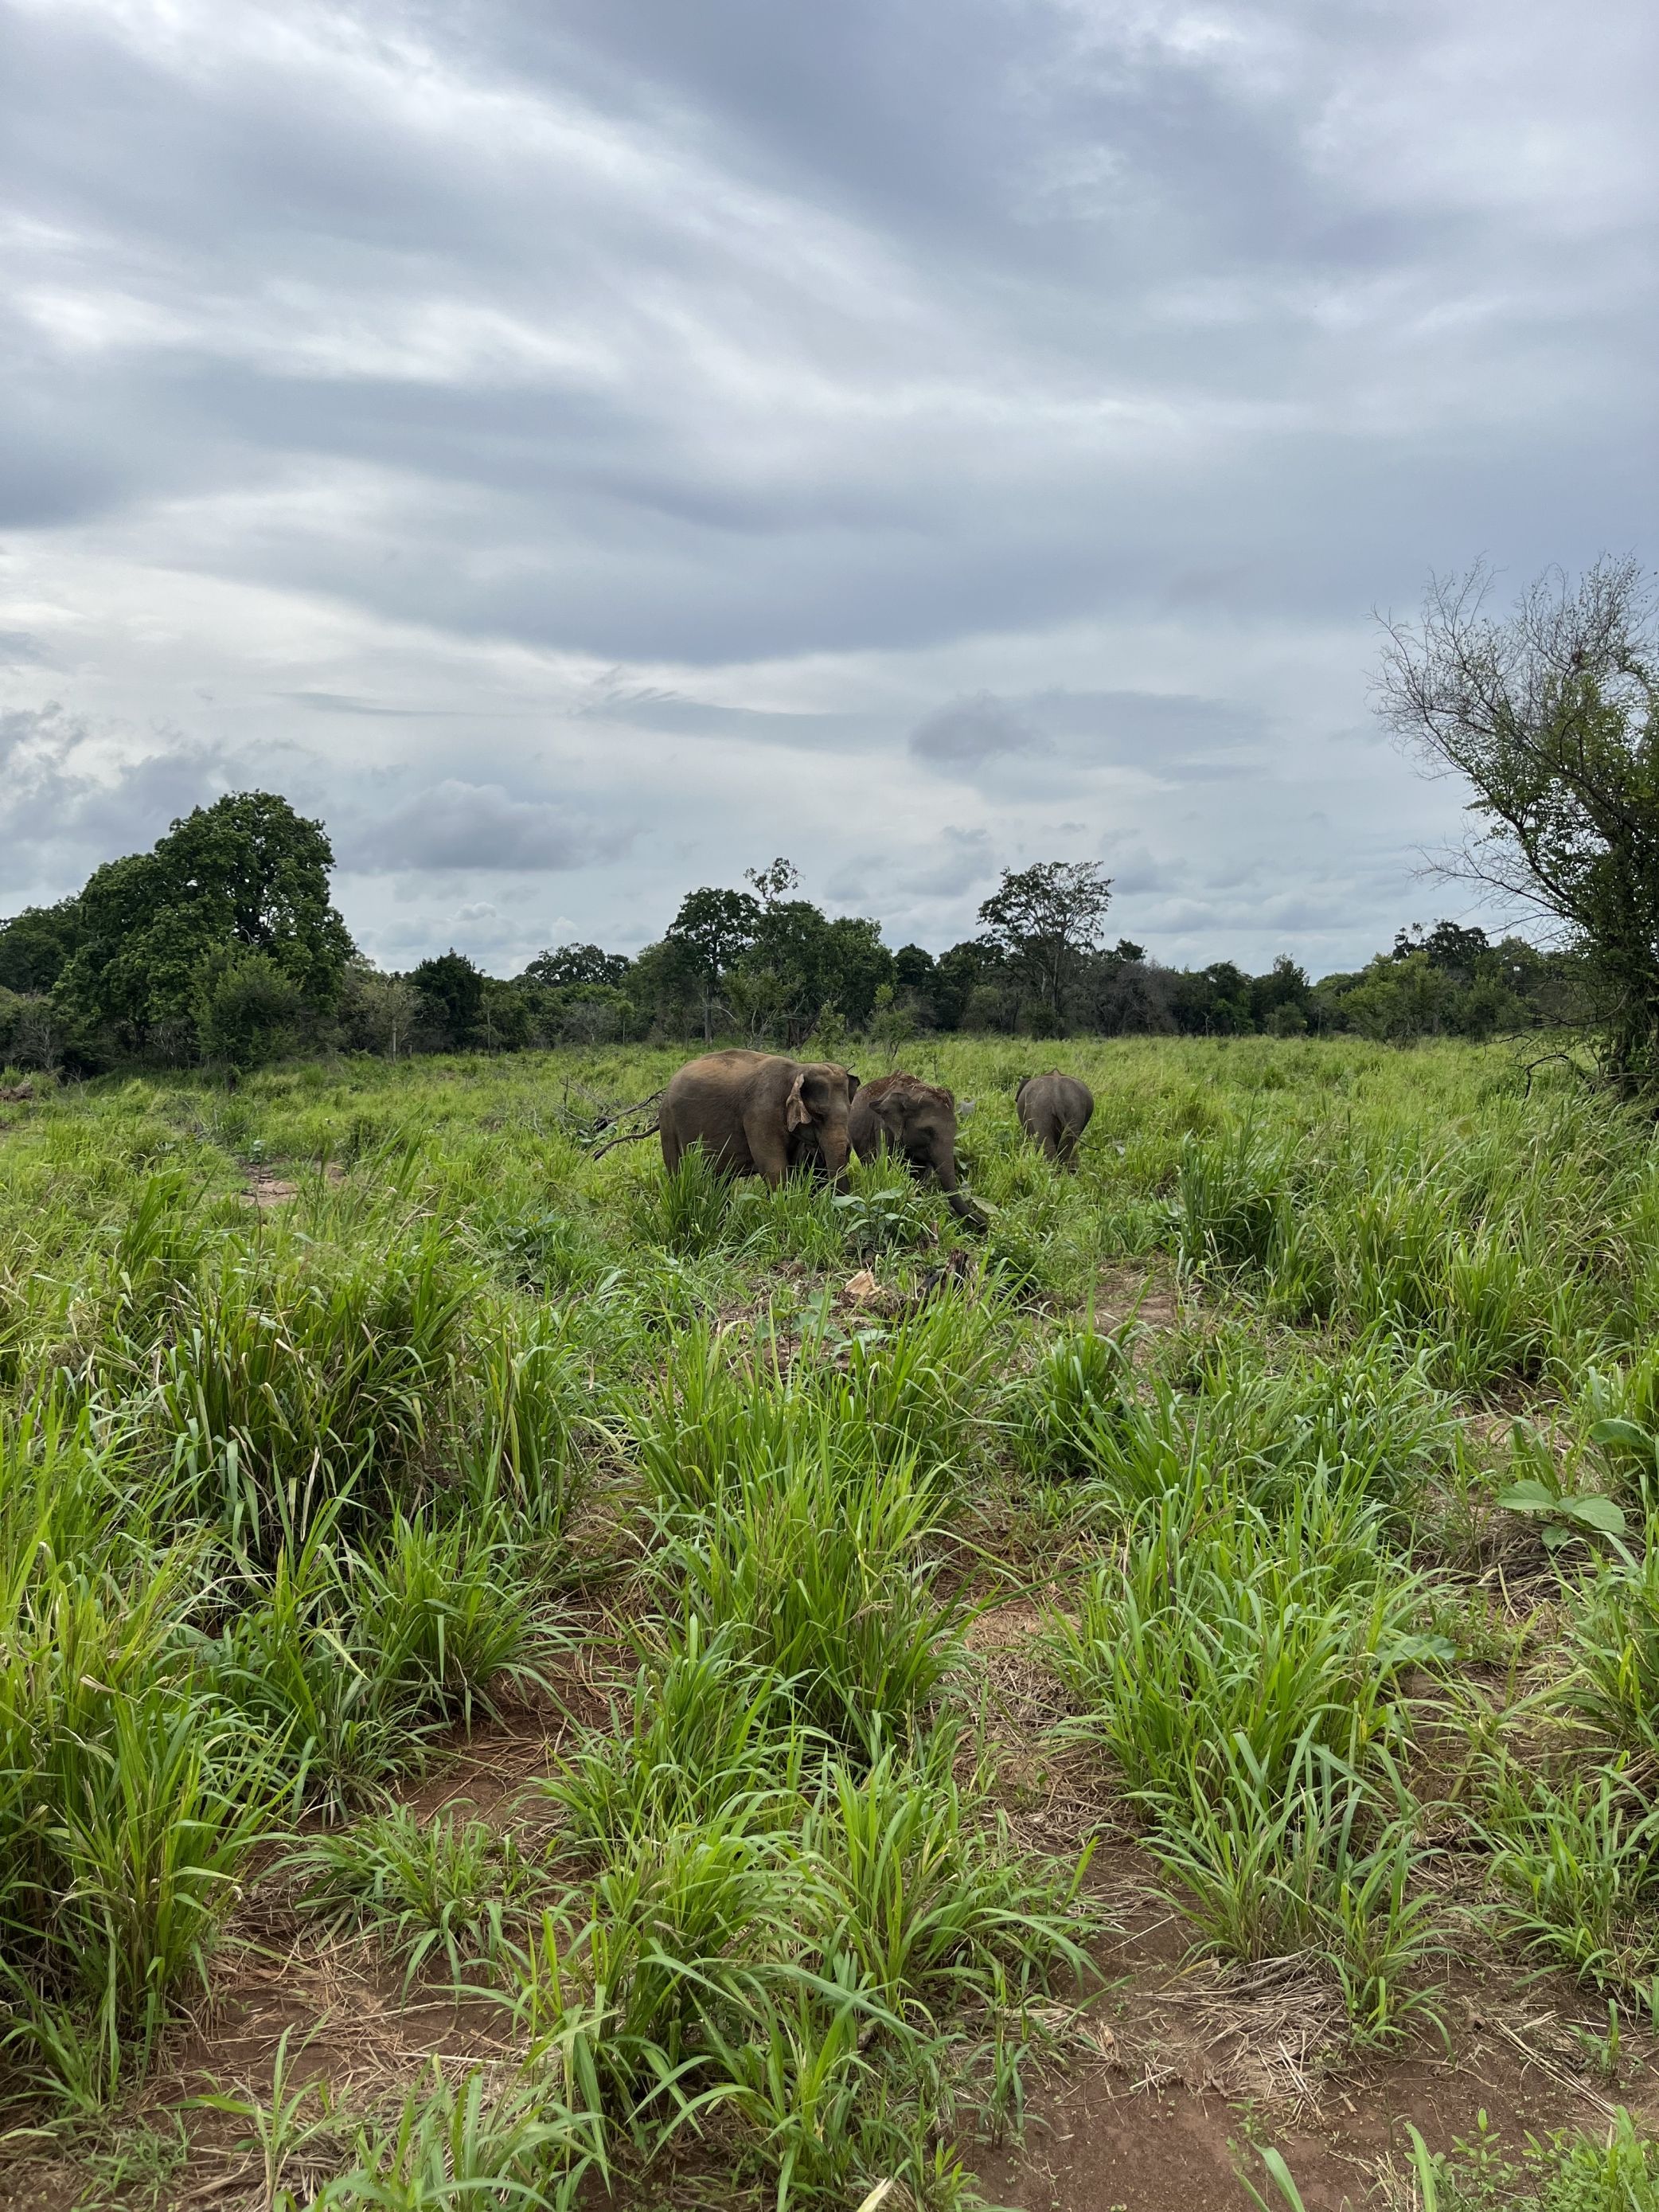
(1054, 1110)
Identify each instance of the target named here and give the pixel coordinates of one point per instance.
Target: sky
(582, 448)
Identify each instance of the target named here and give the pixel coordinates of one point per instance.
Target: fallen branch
(609, 1120)
(633, 1137)
(1543, 1059)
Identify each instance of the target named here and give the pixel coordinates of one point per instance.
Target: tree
(854, 967)
(378, 1013)
(571, 964)
(1458, 952)
(1549, 715)
(781, 980)
(715, 926)
(1214, 1001)
(1397, 1000)
(36, 945)
(771, 882)
(1279, 1000)
(1047, 918)
(450, 989)
(244, 875)
(245, 1009)
(975, 964)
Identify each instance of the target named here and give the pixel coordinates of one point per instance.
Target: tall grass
(290, 1493)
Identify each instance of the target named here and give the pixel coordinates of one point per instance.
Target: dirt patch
(1138, 1291)
(1175, 2069)
(264, 1187)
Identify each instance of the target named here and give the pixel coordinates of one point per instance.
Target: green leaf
(1622, 1432)
(1530, 1497)
(1591, 1512)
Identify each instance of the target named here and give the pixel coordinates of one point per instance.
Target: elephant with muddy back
(917, 1120)
(1054, 1110)
(758, 1113)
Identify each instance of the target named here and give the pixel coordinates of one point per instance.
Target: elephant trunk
(944, 1168)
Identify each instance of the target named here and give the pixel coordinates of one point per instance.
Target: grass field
(522, 1680)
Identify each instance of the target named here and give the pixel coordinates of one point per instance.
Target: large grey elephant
(757, 1113)
(1054, 1111)
(918, 1121)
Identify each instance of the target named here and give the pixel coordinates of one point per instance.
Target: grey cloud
(64, 811)
(344, 702)
(456, 825)
(968, 733)
(962, 859)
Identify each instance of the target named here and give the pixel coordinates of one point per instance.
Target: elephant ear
(852, 1086)
(796, 1116)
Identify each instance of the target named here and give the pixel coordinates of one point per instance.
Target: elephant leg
(673, 1146)
(768, 1147)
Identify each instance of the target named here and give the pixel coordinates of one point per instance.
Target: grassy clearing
(1349, 1599)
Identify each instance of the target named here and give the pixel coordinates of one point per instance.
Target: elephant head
(816, 1115)
(917, 1120)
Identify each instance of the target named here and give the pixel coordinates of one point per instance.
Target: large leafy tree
(714, 927)
(36, 945)
(1047, 918)
(246, 876)
(451, 992)
(569, 965)
(1549, 715)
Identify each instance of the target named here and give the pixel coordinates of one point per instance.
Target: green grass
(292, 1496)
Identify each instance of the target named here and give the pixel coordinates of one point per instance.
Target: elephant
(758, 1113)
(917, 1120)
(1054, 1111)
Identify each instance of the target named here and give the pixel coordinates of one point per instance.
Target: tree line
(220, 946)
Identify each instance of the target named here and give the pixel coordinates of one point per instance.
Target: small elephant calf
(917, 1120)
(1054, 1111)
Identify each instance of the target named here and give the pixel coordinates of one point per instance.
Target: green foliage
(449, 1890)
(160, 935)
(245, 1009)
(1549, 717)
(294, 1493)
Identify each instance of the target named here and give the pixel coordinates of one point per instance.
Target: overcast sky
(581, 447)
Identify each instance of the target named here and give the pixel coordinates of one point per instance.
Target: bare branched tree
(1549, 713)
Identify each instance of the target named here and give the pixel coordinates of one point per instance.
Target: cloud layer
(579, 451)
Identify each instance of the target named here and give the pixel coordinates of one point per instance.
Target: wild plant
(129, 1805)
(929, 1898)
(819, 1570)
(280, 2129)
(1081, 1381)
(1610, 1647)
(450, 1889)
(1222, 1629)
(340, 1730)
(444, 1611)
(705, 1728)
(293, 1390)
(1233, 1199)
(1319, 1865)
(690, 1212)
(1575, 1865)
(498, 2137)
(531, 1407)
